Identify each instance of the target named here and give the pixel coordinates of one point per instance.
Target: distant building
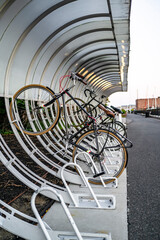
(147, 103)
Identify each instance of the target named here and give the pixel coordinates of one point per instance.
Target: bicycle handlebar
(90, 91)
(79, 77)
(116, 109)
(107, 111)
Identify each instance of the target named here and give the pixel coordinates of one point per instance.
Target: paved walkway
(144, 178)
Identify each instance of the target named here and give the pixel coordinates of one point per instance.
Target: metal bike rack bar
(27, 176)
(114, 184)
(28, 227)
(44, 229)
(24, 174)
(46, 140)
(87, 200)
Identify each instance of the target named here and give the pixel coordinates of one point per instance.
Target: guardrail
(148, 112)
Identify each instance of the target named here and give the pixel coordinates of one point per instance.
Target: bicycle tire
(118, 126)
(26, 118)
(76, 115)
(115, 159)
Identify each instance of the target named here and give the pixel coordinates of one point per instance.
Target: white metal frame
(40, 221)
(115, 180)
(31, 228)
(90, 199)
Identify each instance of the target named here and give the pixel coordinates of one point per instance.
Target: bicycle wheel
(118, 126)
(28, 115)
(113, 158)
(76, 115)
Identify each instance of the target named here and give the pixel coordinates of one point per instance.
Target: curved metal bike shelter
(42, 40)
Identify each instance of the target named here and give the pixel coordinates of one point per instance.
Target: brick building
(147, 103)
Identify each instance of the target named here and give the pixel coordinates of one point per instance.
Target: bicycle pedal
(99, 174)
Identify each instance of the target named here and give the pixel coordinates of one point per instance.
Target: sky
(144, 61)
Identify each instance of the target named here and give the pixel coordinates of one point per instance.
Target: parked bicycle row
(87, 129)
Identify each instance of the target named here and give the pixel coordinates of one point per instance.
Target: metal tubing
(64, 207)
(84, 180)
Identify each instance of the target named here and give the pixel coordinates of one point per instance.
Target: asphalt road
(144, 178)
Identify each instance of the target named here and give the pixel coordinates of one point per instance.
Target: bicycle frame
(93, 121)
(93, 98)
(112, 121)
(89, 123)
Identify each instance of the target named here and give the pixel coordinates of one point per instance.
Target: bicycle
(35, 110)
(109, 121)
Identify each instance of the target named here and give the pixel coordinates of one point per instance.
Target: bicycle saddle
(108, 112)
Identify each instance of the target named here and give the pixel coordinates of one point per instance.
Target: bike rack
(31, 228)
(47, 164)
(27, 176)
(24, 174)
(40, 221)
(36, 154)
(85, 200)
(113, 184)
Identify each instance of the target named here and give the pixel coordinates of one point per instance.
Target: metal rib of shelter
(107, 72)
(87, 36)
